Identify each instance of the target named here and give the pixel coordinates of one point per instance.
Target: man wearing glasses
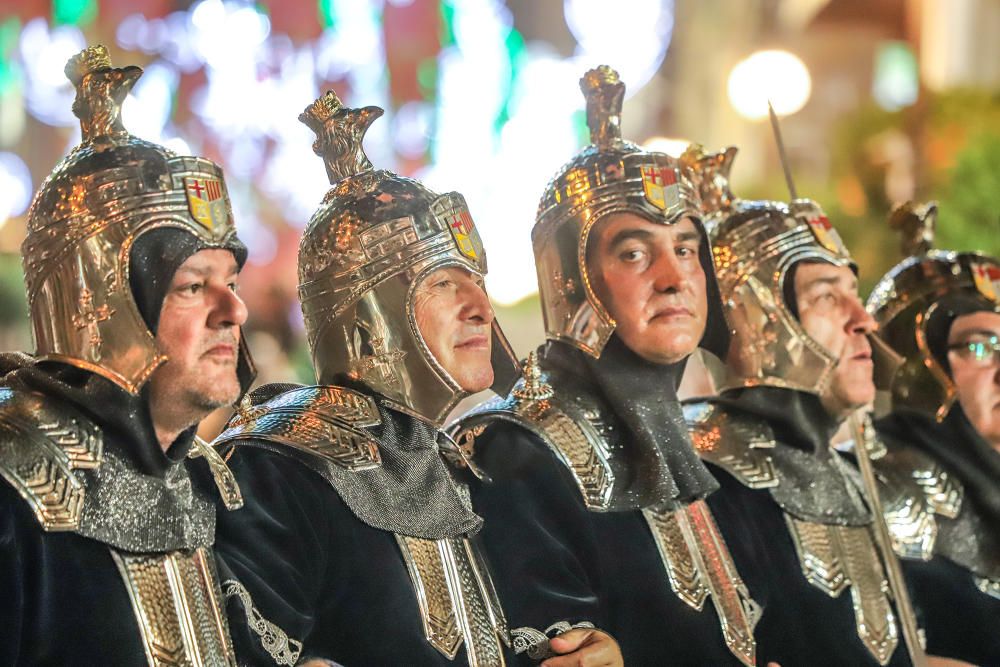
(940, 311)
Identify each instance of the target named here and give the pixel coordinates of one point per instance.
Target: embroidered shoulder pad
(570, 426)
(915, 490)
(325, 421)
(41, 444)
(737, 443)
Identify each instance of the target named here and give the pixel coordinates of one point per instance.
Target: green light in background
(895, 83)
(427, 76)
(75, 12)
(448, 17)
(9, 31)
(327, 13)
(514, 44)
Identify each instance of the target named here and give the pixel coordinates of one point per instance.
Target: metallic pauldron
(39, 452)
(569, 425)
(915, 492)
(108, 191)
(754, 247)
(737, 445)
(373, 239)
(903, 302)
(457, 602)
(179, 608)
(326, 421)
(609, 176)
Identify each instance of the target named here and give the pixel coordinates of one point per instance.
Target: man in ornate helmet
(131, 261)
(358, 529)
(940, 463)
(595, 499)
(800, 363)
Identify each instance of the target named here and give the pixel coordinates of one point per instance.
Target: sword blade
(781, 150)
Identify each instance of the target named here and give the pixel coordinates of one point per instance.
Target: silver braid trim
(279, 646)
(536, 643)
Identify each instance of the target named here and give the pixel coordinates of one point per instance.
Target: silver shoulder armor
(570, 426)
(736, 443)
(915, 491)
(41, 444)
(325, 421)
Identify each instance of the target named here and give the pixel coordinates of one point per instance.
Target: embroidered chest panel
(456, 598)
(178, 605)
(700, 567)
(571, 427)
(835, 558)
(739, 446)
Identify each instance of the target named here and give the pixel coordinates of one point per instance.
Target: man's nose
(667, 273)
(229, 310)
(861, 321)
(476, 304)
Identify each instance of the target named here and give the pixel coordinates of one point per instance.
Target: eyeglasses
(980, 352)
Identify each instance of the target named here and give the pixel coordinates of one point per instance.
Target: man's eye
(193, 288)
(826, 298)
(233, 287)
(686, 251)
(631, 255)
(444, 283)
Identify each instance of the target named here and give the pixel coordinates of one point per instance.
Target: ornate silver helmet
(85, 218)
(373, 239)
(609, 176)
(754, 245)
(915, 302)
(710, 174)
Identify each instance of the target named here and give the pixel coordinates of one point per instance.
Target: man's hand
(584, 647)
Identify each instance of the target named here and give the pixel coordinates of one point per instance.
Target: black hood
(154, 259)
(815, 482)
(661, 464)
(957, 446)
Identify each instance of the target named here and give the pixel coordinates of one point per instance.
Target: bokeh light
(775, 75)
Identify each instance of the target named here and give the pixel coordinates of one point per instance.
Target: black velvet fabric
(317, 571)
(553, 559)
(961, 621)
(801, 624)
(62, 598)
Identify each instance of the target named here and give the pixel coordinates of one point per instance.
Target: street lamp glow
(778, 76)
(669, 145)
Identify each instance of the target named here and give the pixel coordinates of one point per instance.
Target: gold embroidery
(176, 600)
(699, 566)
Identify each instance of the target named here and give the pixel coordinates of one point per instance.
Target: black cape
(960, 620)
(554, 559)
(801, 624)
(318, 571)
(62, 598)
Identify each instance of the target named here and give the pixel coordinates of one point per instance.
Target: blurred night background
(882, 101)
